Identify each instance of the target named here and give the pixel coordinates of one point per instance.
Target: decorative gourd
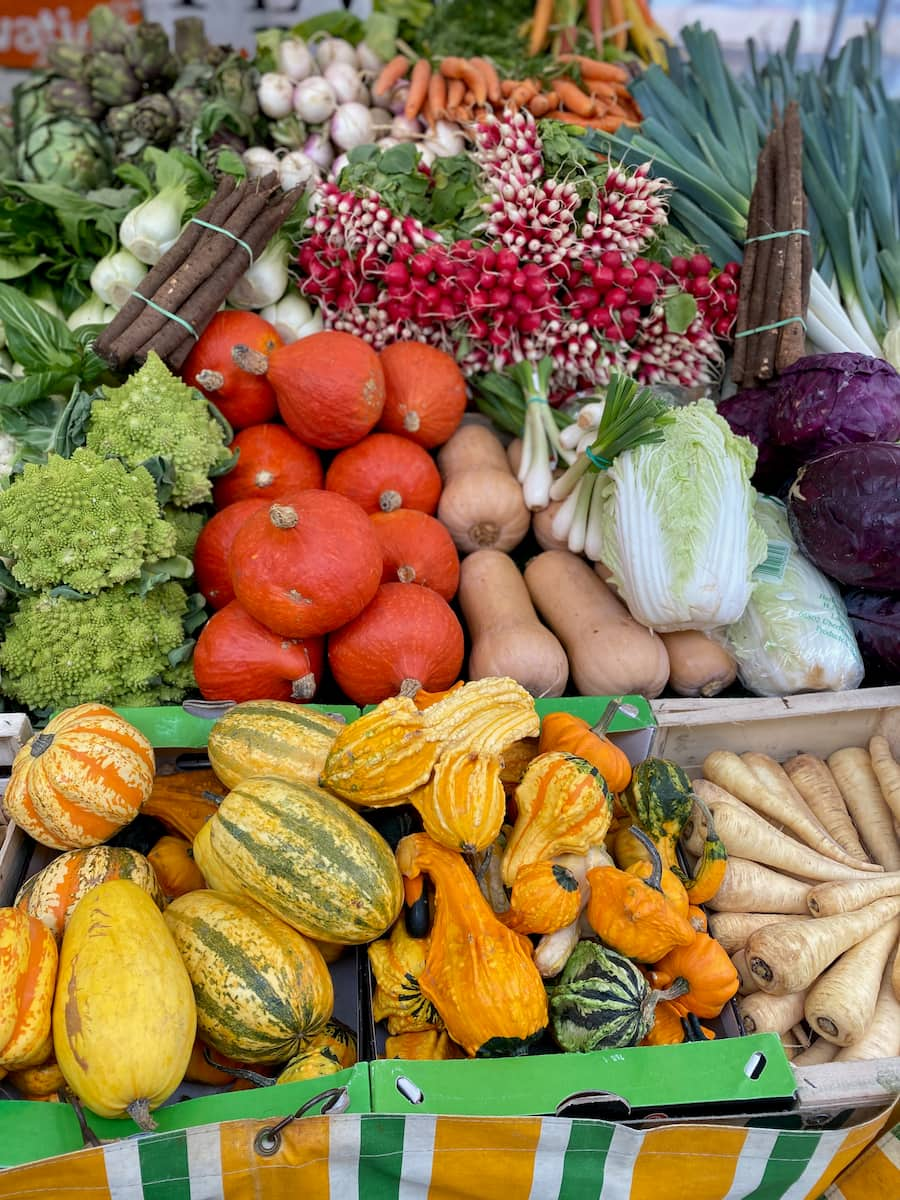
(242, 397)
(259, 986)
(51, 894)
(709, 872)
(632, 915)
(382, 756)
(201, 1070)
(565, 731)
(423, 699)
(310, 1063)
(406, 638)
(305, 856)
(564, 806)
(397, 962)
(384, 472)
(271, 737)
(330, 951)
(124, 1019)
(416, 548)
(484, 715)
(660, 799)
(172, 858)
(308, 567)
(211, 573)
(337, 1038)
(517, 757)
(184, 800)
(425, 393)
(602, 1001)
(463, 803)
(433, 1045)
(81, 779)
(635, 854)
(545, 897)
(272, 464)
(711, 976)
(478, 974)
(667, 1029)
(40, 1082)
(670, 885)
(238, 658)
(28, 962)
(553, 950)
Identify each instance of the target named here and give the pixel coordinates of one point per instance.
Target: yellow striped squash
(307, 857)
(271, 737)
(260, 987)
(28, 962)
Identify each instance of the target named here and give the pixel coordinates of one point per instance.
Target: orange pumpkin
(185, 800)
(80, 780)
(199, 1070)
(711, 975)
(384, 472)
(28, 964)
(417, 549)
(565, 731)
(176, 870)
(425, 393)
(41, 1082)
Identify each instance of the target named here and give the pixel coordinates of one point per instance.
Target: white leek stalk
(266, 280)
(541, 447)
(116, 276)
(293, 317)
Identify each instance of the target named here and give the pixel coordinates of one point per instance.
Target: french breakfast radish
(827, 899)
(610, 654)
(507, 637)
(732, 929)
(761, 1013)
(887, 772)
(748, 884)
(815, 783)
(855, 776)
(882, 1038)
(698, 665)
(841, 1003)
(789, 957)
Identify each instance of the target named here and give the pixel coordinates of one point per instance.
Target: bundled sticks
(179, 296)
(774, 294)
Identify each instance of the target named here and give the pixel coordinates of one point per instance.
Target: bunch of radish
(809, 907)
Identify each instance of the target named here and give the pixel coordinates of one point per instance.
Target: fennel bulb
(266, 280)
(293, 317)
(152, 228)
(92, 312)
(676, 525)
(116, 276)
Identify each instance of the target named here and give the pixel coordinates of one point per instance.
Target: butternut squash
(542, 527)
(507, 637)
(474, 446)
(609, 652)
(481, 504)
(698, 666)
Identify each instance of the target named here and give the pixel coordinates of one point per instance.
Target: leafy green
(446, 198)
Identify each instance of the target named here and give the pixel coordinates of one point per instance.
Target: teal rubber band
(218, 229)
(601, 463)
(774, 325)
(767, 237)
(172, 316)
(538, 400)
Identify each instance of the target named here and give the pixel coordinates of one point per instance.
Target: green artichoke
(109, 31)
(150, 121)
(235, 82)
(66, 150)
(71, 98)
(111, 79)
(149, 55)
(29, 103)
(67, 59)
(188, 102)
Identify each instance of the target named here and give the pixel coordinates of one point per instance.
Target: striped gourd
(484, 715)
(260, 987)
(271, 737)
(28, 962)
(51, 894)
(305, 856)
(463, 803)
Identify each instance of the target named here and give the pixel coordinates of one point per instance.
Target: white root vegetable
(771, 1014)
(827, 899)
(855, 776)
(841, 1003)
(275, 94)
(748, 984)
(882, 1038)
(314, 100)
(748, 884)
(732, 929)
(553, 950)
(789, 957)
(887, 772)
(815, 783)
(820, 1051)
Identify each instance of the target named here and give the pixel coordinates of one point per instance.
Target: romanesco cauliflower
(154, 413)
(187, 526)
(84, 521)
(112, 648)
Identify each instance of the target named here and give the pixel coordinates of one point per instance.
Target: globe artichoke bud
(68, 151)
(188, 102)
(108, 30)
(29, 103)
(73, 98)
(110, 78)
(67, 59)
(155, 119)
(234, 82)
(148, 54)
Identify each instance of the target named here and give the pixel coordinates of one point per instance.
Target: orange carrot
(456, 89)
(391, 73)
(460, 68)
(490, 77)
(437, 95)
(539, 105)
(571, 118)
(574, 99)
(523, 95)
(593, 68)
(603, 91)
(540, 26)
(616, 19)
(508, 86)
(418, 89)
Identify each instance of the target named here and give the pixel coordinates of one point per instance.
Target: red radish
(237, 658)
(406, 638)
(241, 393)
(384, 472)
(307, 567)
(271, 462)
(417, 548)
(213, 547)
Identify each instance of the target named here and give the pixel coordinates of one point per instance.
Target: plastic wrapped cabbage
(795, 635)
(677, 529)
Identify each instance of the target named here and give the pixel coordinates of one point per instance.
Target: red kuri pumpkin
(407, 638)
(417, 549)
(271, 463)
(211, 571)
(329, 387)
(384, 472)
(425, 393)
(243, 396)
(307, 567)
(237, 658)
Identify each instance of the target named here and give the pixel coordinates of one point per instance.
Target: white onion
(293, 317)
(398, 96)
(351, 126)
(298, 170)
(404, 130)
(331, 50)
(447, 140)
(259, 161)
(314, 100)
(319, 148)
(294, 59)
(344, 80)
(367, 59)
(275, 94)
(337, 166)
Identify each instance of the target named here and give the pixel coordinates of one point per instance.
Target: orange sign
(27, 27)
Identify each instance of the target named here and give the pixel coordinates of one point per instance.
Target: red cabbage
(749, 413)
(844, 509)
(875, 617)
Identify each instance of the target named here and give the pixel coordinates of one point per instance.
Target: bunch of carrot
(809, 907)
(465, 89)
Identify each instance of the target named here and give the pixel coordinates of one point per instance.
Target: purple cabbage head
(875, 617)
(844, 510)
(749, 414)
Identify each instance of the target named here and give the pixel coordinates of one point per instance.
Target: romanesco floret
(154, 413)
(84, 521)
(112, 648)
(187, 526)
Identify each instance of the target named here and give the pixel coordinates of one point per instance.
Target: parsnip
(887, 771)
(821, 1051)
(732, 929)
(882, 1038)
(748, 984)
(841, 1003)
(747, 885)
(771, 1014)
(827, 899)
(855, 776)
(815, 783)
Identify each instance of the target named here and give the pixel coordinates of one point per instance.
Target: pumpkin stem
(655, 878)
(283, 516)
(304, 688)
(139, 1111)
(241, 1072)
(409, 687)
(484, 533)
(263, 479)
(389, 500)
(251, 361)
(209, 380)
(42, 742)
(406, 573)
